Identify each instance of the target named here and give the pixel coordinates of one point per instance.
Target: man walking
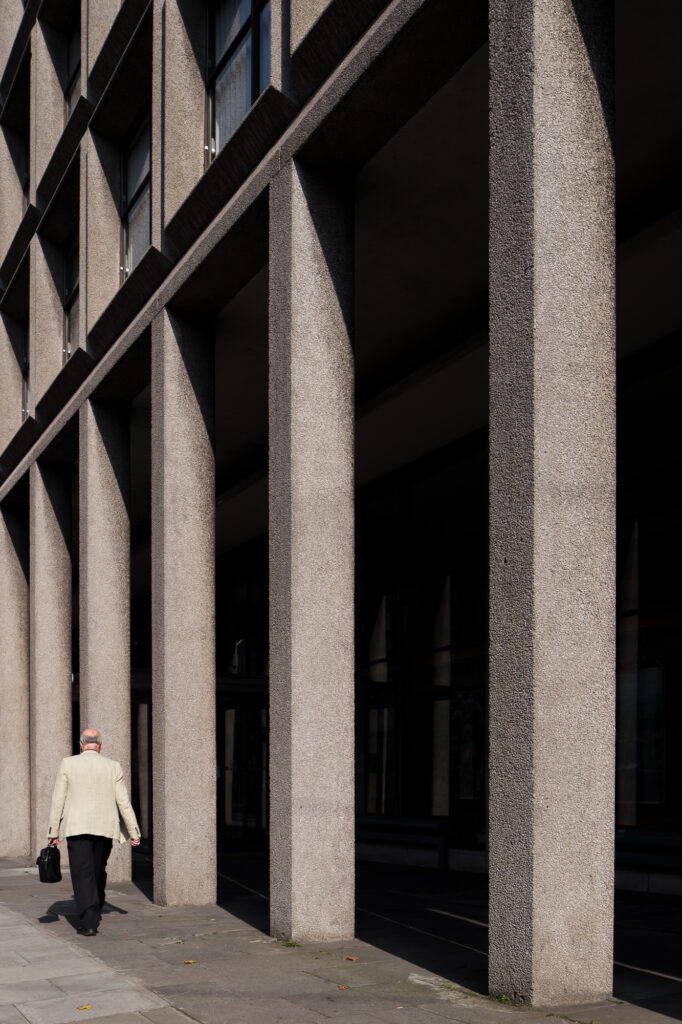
(89, 801)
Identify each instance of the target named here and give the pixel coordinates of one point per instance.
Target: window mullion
(231, 50)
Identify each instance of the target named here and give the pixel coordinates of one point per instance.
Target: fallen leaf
(353, 959)
(189, 961)
(343, 986)
(86, 1006)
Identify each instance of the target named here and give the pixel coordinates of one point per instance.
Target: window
(25, 392)
(70, 301)
(73, 72)
(239, 65)
(136, 200)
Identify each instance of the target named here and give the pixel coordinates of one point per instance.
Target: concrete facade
(316, 519)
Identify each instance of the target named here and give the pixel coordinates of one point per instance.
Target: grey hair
(91, 736)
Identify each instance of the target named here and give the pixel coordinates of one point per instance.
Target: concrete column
(552, 501)
(183, 614)
(50, 636)
(312, 876)
(15, 771)
(104, 590)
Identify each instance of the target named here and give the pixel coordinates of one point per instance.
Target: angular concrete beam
(50, 636)
(104, 590)
(312, 874)
(15, 771)
(183, 613)
(552, 501)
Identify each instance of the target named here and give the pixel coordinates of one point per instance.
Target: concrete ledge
(329, 38)
(17, 53)
(60, 216)
(21, 443)
(120, 34)
(259, 130)
(64, 151)
(19, 245)
(14, 299)
(353, 119)
(65, 384)
(133, 293)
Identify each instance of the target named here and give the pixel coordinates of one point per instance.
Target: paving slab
(214, 1005)
(10, 1015)
(165, 1015)
(27, 991)
(64, 1009)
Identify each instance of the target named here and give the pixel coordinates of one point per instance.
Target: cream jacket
(90, 797)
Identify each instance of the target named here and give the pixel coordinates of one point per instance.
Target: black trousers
(88, 857)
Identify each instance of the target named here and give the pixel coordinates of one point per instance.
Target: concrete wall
(182, 25)
(100, 222)
(11, 196)
(12, 11)
(47, 98)
(46, 315)
(11, 342)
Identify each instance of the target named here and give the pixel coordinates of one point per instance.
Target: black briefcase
(48, 864)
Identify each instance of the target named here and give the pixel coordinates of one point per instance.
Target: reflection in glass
(378, 667)
(232, 93)
(230, 15)
(25, 391)
(264, 69)
(71, 329)
(137, 231)
(137, 163)
(238, 65)
(70, 300)
(380, 756)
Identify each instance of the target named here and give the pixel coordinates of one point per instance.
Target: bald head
(90, 739)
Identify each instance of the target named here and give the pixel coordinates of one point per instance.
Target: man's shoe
(87, 931)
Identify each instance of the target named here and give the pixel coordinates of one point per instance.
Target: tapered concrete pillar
(15, 769)
(50, 636)
(552, 501)
(104, 590)
(312, 890)
(183, 614)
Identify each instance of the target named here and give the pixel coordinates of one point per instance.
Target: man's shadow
(67, 909)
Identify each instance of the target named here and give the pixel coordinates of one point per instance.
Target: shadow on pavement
(648, 952)
(67, 909)
(437, 920)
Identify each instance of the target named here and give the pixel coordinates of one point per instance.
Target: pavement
(420, 957)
